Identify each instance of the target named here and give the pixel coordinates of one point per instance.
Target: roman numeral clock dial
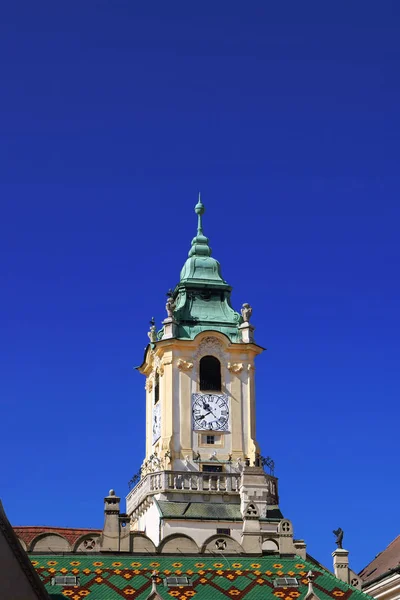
(210, 412)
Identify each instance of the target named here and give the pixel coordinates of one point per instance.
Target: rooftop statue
(170, 306)
(152, 333)
(246, 312)
(339, 537)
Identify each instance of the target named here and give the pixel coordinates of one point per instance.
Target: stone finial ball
(199, 208)
(111, 493)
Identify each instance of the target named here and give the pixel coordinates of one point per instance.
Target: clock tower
(202, 474)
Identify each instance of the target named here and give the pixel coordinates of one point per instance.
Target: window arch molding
(210, 346)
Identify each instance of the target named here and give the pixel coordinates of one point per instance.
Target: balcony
(182, 481)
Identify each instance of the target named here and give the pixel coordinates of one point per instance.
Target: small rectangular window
(286, 582)
(223, 531)
(65, 580)
(212, 468)
(211, 439)
(177, 581)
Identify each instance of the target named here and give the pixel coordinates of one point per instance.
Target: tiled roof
(27, 534)
(206, 510)
(112, 577)
(388, 559)
(200, 510)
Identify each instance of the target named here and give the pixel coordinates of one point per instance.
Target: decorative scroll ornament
(184, 365)
(149, 384)
(210, 345)
(235, 367)
(158, 365)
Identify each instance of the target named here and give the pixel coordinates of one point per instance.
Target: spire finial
(199, 210)
(310, 592)
(200, 245)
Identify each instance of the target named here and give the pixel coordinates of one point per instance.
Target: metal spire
(200, 210)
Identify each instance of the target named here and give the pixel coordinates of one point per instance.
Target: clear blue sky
(286, 116)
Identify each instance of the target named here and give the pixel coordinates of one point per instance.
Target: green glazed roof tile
(112, 577)
(200, 510)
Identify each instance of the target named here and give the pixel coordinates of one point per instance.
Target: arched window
(210, 374)
(156, 388)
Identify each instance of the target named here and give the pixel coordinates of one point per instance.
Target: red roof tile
(388, 559)
(27, 533)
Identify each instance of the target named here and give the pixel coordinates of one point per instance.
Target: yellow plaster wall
(177, 385)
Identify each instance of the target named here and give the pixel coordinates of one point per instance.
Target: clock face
(156, 422)
(210, 412)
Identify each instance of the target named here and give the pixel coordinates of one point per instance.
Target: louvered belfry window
(210, 374)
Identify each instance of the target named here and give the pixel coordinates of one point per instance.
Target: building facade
(202, 518)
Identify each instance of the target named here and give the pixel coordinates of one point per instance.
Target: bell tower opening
(210, 374)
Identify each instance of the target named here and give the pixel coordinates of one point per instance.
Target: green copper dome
(200, 267)
(202, 296)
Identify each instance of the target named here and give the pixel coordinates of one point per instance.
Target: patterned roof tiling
(112, 577)
(388, 559)
(27, 534)
(204, 510)
(200, 510)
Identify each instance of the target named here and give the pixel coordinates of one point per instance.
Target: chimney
(116, 533)
(341, 564)
(342, 570)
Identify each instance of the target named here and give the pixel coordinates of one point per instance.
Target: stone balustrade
(182, 481)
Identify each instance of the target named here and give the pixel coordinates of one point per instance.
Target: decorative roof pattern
(27, 533)
(382, 563)
(200, 510)
(112, 577)
(207, 510)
